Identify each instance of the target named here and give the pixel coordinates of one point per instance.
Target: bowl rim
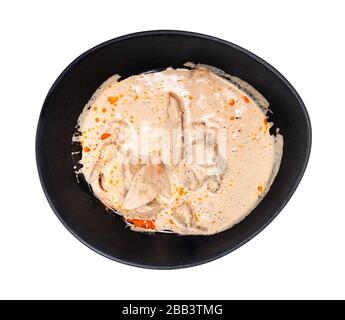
(189, 34)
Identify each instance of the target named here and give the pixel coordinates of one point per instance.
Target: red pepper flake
(231, 102)
(104, 110)
(144, 224)
(113, 100)
(265, 121)
(97, 119)
(87, 149)
(190, 98)
(232, 118)
(260, 188)
(245, 99)
(105, 136)
(171, 222)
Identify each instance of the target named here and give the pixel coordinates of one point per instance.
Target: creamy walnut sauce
(181, 150)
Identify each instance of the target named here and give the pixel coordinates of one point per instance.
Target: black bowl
(87, 219)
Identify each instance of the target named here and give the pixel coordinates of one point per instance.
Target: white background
(300, 255)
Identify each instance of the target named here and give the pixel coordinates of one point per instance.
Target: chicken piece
(194, 177)
(191, 181)
(211, 147)
(146, 186)
(104, 158)
(175, 112)
(103, 168)
(213, 183)
(183, 215)
(194, 143)
(145, 212)
(175, 120)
